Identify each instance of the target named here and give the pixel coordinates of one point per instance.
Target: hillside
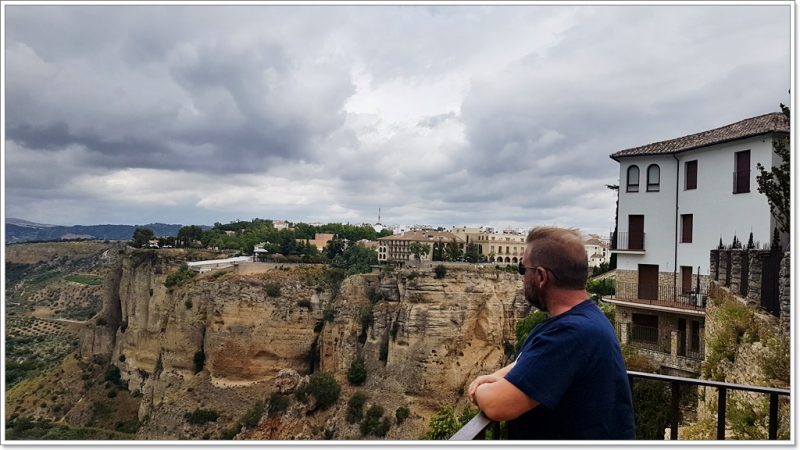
(197, 358)
(18, 230)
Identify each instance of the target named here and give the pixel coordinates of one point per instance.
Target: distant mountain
(19, 230)
(27, 223)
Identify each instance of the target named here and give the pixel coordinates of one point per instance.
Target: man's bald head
(560, 250)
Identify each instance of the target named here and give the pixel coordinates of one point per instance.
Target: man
(569, 381)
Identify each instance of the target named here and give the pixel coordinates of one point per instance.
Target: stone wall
(786, 293)
(753, 260)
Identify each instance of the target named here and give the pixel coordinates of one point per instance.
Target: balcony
(627, 242)
(661, 295)
(676, 343)
(476, 429)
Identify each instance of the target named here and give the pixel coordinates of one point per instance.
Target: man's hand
(479, 381)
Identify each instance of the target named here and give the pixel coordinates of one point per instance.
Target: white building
(677, 199)
(597, 251)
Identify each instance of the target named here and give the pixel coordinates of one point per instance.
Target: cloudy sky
(440, 115)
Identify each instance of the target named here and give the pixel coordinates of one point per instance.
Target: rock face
(422, 339)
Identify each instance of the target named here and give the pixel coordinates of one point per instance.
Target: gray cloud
(435, 114)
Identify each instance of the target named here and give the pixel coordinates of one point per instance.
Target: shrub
(251, 418)
(113, 375)
(323, 387)
(199, 361)
(328, 314)
(526, 325)
(277, 404)
(128, 426)
(599, 288)
(442, 425)
(182, 275)
(466, 415)
(372, 421)
(188, 304)
(201, 416)
(229, 433)
(121, 358)
(357, 374)
(401, 414)
(355, 407)
(273, 289)
(440, 271)
(305, 303)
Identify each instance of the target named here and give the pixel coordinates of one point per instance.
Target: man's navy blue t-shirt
(572, 365)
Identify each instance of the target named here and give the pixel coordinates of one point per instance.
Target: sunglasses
(522, 268)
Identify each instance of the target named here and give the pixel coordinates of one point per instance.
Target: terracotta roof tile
(754, 126)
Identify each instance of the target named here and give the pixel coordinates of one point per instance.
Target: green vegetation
(374, 423)
(183, 274)
(356, 259)
(355, 407)
(775, 184)
(141, 237)
(418, 249)
(90, 280)
(526, 325)
(401, 414)
(273, 289)
(28, 428)
(201, 416)
(323, 387)
(442, 425)
(251, 418)
(277, 404)
(440, 271)
(305, 303)
(601, 269)
(357, 374)
(599, 288)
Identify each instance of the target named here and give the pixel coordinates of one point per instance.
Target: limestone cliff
(422, 339)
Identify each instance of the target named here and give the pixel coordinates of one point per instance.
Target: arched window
(653, 178)
(633, 179)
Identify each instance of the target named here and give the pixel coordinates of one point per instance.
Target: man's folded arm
(502, 400)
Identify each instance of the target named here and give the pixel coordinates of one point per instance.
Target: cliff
(422, 340)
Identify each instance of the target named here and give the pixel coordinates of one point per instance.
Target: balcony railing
(627, 241)
(662, 295)
(476, 428)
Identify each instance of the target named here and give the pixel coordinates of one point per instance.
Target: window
(691, 174)
(653, 178)
(686, 228)
(741, 174)
(633, 179)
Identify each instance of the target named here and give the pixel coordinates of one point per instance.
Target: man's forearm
(501, 373)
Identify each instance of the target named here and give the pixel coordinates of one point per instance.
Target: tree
(613, 261)
(334, 248)
(418, 249)
(473, 253)
(775, 183)
(142, 236)
(453, 251)
(188, 235)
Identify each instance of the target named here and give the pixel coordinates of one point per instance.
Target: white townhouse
(677, 199)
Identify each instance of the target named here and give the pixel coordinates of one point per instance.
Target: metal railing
(476, 428)
(662, 294)
(627, 241)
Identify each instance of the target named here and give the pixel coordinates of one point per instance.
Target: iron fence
(476, 428)
(627, 241)
(663, 294)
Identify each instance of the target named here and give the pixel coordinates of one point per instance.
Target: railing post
(673, 432)
(773, 417)
(721, 413)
